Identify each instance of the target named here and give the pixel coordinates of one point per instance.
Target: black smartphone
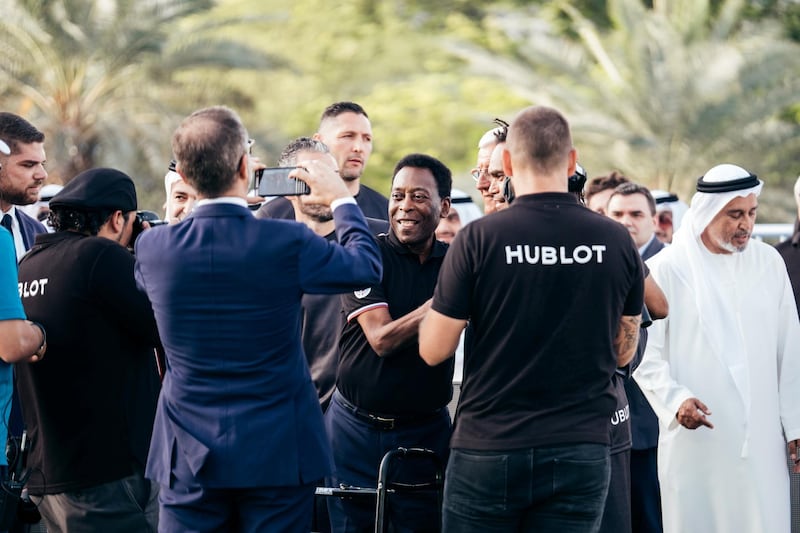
(275, 181)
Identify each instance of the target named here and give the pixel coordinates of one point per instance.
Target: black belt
(386, 422)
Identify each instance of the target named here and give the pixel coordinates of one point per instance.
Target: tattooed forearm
(627, 338)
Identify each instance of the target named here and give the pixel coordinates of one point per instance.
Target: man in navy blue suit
(633, 206)
(238, 437)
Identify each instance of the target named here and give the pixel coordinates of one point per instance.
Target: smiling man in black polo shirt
(554, 295)
(386, 396)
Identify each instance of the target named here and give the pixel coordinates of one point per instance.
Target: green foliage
(665, 93)
(659, 89)
(102, 78)
(412, 89)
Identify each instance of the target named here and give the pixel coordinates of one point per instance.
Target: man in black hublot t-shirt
(89, 406)
(554, 294)
(386, 395)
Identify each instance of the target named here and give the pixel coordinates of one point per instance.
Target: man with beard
(21, 177)
(731, 345)
(345, 129)
(322, 313)
(386, 396)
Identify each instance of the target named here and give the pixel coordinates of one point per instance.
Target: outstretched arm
(438, 337)
(385, 335)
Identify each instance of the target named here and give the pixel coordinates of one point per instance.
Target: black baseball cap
(98, 188)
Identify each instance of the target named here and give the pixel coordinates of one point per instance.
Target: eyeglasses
(476, 173)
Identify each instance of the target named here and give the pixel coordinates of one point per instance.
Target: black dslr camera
(143, 216)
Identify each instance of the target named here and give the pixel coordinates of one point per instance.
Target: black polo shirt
(402, 383)
(544, 283)
(372, 203)
(323, 320)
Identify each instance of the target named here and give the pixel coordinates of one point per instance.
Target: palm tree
(663, 95)
(107, 79)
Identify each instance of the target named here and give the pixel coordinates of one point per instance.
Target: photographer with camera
(89, 406)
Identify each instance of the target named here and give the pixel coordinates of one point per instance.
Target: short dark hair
(629, 188)
(86, 222)
(336, 109)
(209, 145)
(441, 174)
(288, 157)
(539, 138)
(15, 130)
(603, 183)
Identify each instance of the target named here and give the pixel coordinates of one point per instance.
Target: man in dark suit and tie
(634, 207)
(21, 177)
(238, 437)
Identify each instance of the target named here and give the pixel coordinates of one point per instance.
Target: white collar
(234, 200)
(11, 211)
(648, 243)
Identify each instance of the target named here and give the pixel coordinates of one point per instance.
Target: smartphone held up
(275, 181)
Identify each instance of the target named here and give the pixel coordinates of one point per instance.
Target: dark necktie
(7, 224)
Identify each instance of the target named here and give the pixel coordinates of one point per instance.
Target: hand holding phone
(276, 181)
(323, 179)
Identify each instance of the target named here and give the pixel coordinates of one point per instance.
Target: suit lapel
(24, 230)
(652, 249)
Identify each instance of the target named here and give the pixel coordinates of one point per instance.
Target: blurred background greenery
(661, 90)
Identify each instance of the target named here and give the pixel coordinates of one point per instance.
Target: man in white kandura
(731, 346)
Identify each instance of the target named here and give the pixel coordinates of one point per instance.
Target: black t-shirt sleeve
(356, 302)
(635, 299)
(453, 293)
(111, 280)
